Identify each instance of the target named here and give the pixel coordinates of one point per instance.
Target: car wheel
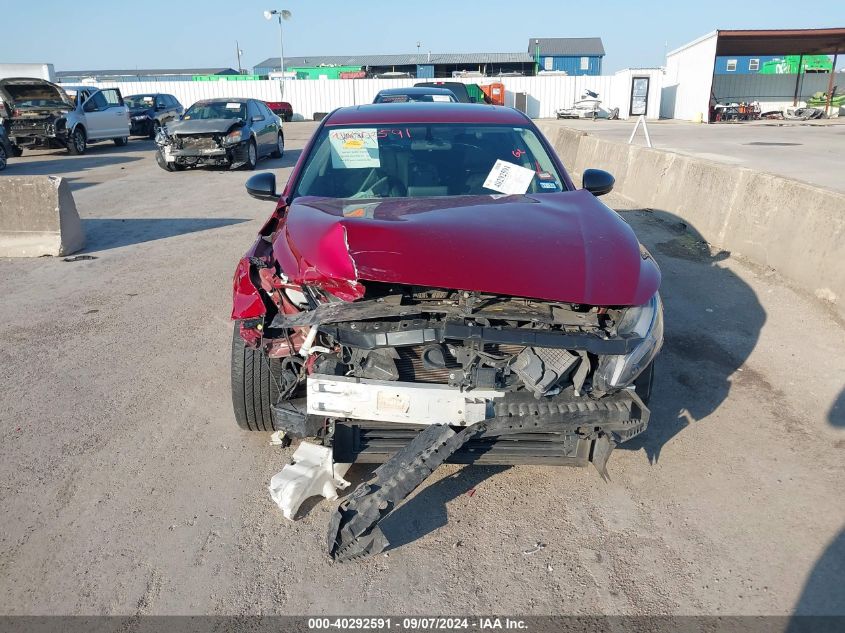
(154, 129)
(288, 117)
(77, 142)
(643, 383)
(280, 146)
(251, 156)
(255, 380)
(121, 141)
(165, 165)
(3, 158)
(17, 152)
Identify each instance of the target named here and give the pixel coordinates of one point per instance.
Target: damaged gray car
(229, 133)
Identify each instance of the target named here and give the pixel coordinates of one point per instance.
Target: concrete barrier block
(567, 144)
(596, 153)
(645, 178)
(699, 191)
(38, 217)
(793, 227)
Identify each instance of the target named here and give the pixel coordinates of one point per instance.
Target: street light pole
(281, 14)
(281, 48)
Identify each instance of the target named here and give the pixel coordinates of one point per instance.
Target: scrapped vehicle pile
(433, 288)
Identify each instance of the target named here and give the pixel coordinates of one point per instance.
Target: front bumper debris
(312, 473)
(353, 531)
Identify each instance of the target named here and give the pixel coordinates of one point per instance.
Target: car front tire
(251, 156)
(3, 158)
(77, 142)
(121, 141)
(643, 383)
(165, 165)
(255, 379)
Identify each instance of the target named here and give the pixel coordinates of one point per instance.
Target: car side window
(112, 97)
(96, 103)
(252, 111)
(265, 110)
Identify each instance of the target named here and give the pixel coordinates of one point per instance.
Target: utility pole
(238, 52)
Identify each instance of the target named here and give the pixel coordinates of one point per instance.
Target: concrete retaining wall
(38, 217)
(795, 228)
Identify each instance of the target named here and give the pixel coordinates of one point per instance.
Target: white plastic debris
(312, 473)
(277, 438)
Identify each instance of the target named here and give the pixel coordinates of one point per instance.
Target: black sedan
(149, 112)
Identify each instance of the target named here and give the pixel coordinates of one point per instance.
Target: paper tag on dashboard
(354, 148)
(508, 178)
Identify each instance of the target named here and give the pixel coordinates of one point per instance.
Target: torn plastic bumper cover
(353, 531)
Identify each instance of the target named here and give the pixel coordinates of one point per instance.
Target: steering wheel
(377, 184)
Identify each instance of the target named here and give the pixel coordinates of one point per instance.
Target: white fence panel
(544, 95)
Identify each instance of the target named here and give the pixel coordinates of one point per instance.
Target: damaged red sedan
(433, 287)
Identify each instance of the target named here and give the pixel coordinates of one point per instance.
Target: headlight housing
(233, 138)
(646, 322)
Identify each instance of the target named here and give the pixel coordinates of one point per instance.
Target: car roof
(225, 100)
(423, 112)
(414, 90)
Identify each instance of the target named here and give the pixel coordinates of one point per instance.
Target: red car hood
(566, 246)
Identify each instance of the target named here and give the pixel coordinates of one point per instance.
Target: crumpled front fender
(246, 298)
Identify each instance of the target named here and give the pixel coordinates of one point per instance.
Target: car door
(257, 122)
(178, 108)
(171, 107)
(272, 126)
(97, 123)
(118, 114)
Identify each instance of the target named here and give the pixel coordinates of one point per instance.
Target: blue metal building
(574, 55)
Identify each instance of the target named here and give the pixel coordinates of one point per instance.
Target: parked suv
(41, 114)
(149, 112)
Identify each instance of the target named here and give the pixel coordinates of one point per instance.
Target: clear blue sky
(112, 34)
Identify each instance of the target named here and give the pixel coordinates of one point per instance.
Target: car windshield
(217, 110)
(35, 96)
(431, 159)
(405, 98)
(140, 101)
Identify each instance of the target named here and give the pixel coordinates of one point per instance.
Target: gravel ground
(126, 487)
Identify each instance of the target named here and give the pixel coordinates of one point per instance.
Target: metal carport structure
(690, 69)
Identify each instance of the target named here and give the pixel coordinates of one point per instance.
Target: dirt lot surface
(126, 488)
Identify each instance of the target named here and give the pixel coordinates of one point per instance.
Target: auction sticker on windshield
(508, 178)
(354, 148)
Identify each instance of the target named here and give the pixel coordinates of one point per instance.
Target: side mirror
(89, 106)
(262, 186)
(597, 181)
(161, 106)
